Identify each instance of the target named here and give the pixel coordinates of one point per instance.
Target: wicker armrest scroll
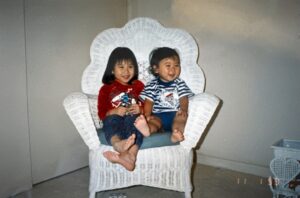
(201, 109)
(77, 107)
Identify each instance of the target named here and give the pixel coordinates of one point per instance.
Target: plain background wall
(250, 54)
(15, 171)
(44, 48)
(59, 34)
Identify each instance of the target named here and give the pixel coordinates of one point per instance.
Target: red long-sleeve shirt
(112, 95)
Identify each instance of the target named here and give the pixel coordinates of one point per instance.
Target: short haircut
(161, 53)
(118, 55)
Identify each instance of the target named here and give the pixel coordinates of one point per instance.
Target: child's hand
(182, 113)
(134, 109)
(149, 117)
(121, 111)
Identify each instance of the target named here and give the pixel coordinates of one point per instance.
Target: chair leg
(92, 195)
(188, 188)
(188, 194)
(188, 181)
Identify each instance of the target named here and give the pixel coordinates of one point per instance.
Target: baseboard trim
(258, 170)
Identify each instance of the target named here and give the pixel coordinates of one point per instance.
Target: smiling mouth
(126, 77)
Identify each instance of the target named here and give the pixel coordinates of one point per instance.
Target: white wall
(250, 54)
(59, 35)
(15, 171)
(44, 48)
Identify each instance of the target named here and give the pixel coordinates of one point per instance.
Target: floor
(209, 182)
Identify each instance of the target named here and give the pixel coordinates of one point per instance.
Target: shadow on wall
(198, 146)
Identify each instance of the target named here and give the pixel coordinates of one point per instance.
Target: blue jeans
(166, 119)
(123, 127)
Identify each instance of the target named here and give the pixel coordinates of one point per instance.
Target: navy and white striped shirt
(165, 95)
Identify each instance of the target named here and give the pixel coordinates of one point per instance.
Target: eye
(118, 65)
(121, 66)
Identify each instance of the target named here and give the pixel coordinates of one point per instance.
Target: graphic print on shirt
(123, 99)
(169, 99)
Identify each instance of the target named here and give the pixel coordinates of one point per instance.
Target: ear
(155, 69)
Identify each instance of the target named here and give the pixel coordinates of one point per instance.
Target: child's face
(124, 71)
(168, 69)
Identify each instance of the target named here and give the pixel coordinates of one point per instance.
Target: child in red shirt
(119, 107)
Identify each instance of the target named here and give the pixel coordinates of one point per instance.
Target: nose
(126, 71)
(172, 70)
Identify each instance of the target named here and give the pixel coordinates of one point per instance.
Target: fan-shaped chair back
(142, 35)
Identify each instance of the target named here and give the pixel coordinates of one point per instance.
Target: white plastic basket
(287, 149)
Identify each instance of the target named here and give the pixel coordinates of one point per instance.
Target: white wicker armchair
(167, 167)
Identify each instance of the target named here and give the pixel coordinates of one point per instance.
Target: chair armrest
(77, 107)
(201, 109)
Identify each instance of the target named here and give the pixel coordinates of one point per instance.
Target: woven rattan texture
(284, 171)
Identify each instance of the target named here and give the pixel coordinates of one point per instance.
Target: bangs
(127, 61)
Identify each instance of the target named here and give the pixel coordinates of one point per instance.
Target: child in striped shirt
(166, 97)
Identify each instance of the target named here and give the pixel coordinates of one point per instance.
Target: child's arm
(154, 123)
(184, 105)
(134, 109)
(148, 104)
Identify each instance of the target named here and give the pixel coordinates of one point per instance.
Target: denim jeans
(123, 127)
(167, 119)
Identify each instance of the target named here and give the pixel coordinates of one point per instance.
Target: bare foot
(124, 159)
(123, 145)
(177, 136)
(142, 125)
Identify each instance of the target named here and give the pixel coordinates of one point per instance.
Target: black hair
(161, 53)
(119, 54)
